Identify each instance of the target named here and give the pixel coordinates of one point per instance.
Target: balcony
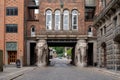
(33, 4)
(60, 34)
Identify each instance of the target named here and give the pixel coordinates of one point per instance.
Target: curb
(12, 76)
(115, 74)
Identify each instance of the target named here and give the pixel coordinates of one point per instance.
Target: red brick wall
(9, 37)
(2, 13)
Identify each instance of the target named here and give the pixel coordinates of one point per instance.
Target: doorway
(32, 54)
(12, 57)
(90, 54)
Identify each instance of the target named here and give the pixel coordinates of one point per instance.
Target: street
(61, 70)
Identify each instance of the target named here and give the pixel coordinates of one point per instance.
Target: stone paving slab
(10, 73)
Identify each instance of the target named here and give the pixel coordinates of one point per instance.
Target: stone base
(82, 64)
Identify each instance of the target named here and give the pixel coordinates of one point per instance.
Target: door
(12, 56)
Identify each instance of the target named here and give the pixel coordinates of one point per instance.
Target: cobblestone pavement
(61, 70)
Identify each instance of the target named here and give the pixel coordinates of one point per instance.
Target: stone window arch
(74, 20)
(33, 30)
(66, 20)
(90, 31)
(49, 19)
(57, 19)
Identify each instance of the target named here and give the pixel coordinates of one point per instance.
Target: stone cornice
(105, 11)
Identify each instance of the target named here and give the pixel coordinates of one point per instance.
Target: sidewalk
(13, 72)
(112, 72)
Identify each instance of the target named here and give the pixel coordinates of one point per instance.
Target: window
(33, 31)
(89, 2)
(49, 20)
(12, 11)
(74, 19)
(115, 21)
(66, 20)
(104, 29)
(101, 31)
(89, 13)
(57, 20)
(11, 28)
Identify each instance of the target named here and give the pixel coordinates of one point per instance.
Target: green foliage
(59, 50)
(69, 52)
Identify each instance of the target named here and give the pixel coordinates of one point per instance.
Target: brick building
(107, 24)
(58, 22)
(12, 30)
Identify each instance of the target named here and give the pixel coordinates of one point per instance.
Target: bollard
(18, 63)
(1, 61)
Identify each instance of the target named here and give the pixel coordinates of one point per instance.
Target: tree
(69, 52)
(59, 50)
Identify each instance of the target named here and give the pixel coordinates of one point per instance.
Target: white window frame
(57, 20)
(49, 23)
(66, 26)
(32, 32)
(74, 13)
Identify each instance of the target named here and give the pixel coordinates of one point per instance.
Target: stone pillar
(80, 53)
(42, 52)
(117, 55)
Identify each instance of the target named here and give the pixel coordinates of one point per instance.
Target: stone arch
(103, 54)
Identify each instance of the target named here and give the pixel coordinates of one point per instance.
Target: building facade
(58, 22)
(61, 23)
(12, 30)
(107, 24)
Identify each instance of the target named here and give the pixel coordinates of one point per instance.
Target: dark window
(89, 30)
(11, 11)
(104, 29)
(11, 28)
(101, 31)
(115, 21)
(89, 13)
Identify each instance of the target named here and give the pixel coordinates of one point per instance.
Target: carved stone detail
(80, 53)
(42, 52)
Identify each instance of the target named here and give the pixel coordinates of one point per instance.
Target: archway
(104, 54)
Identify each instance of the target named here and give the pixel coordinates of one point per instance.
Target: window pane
(66, 20)
(11, 28)
(49, 20)
(57, 20)
(11, 11)
(74, 19)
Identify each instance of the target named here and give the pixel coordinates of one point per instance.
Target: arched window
(74, 20)
(66, 20)
(32, 31)
(49, 20)
(57, 20)
(90, 31)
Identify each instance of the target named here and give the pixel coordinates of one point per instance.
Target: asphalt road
(61, 70)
